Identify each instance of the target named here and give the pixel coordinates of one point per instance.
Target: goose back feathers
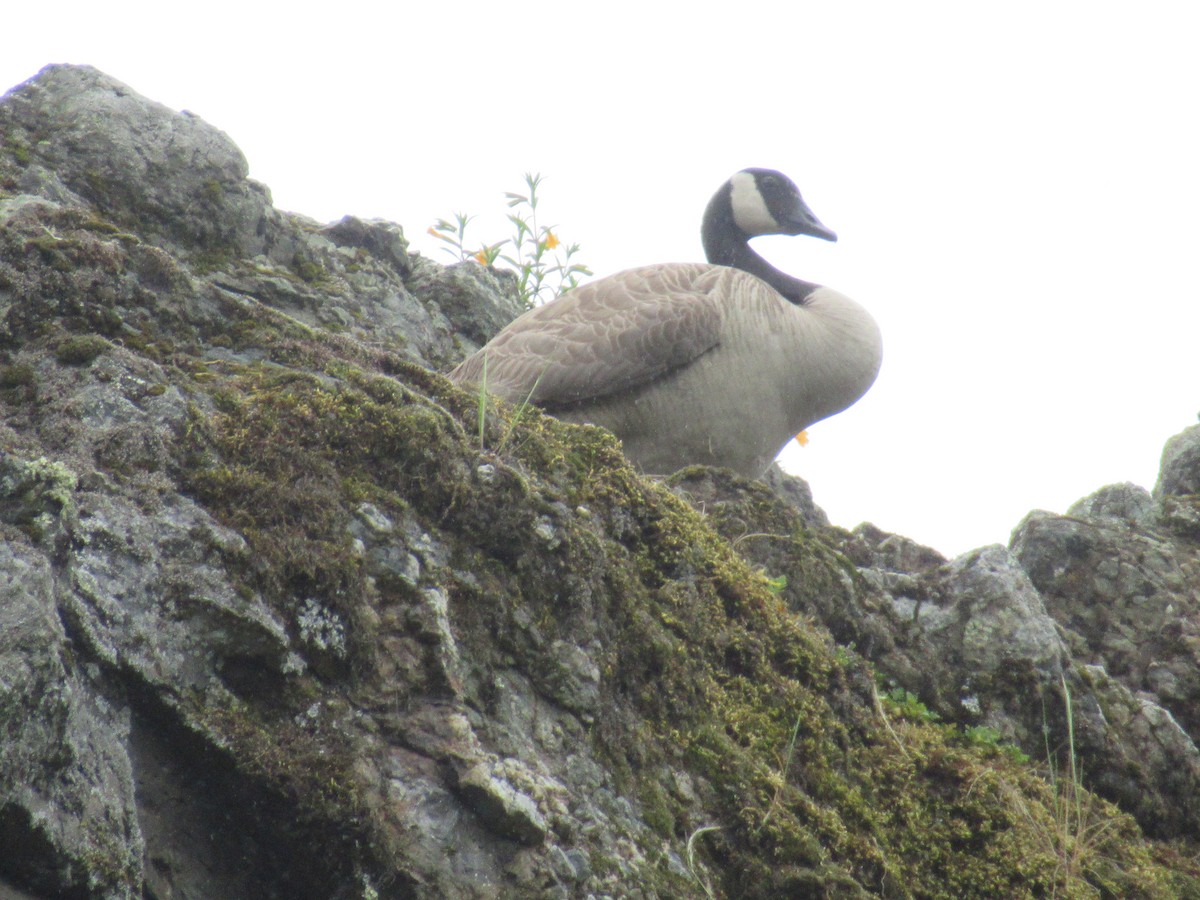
(689, 363)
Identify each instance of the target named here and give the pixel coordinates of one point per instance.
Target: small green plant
(776, 585)
(845, 655)
(784, 764)
(482, 410)
(518, 415)
(908, 705)
(1079, 829)
(988, 737)
(544, 265)
(483, 402)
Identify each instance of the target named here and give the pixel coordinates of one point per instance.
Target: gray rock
(150, 592)
(1124, 593)
(1135, 752)
(1178, 486)
(67, 806)
(143, 163)
(1125, 502)
(448, 848)
(572, 677)
(500, 806)
(796, 492)
(140, 173)
(970, 638)
(383, 240)
(1125, 599)
(477, 302)
(993, 618)
(990, 637)
(1179, 472)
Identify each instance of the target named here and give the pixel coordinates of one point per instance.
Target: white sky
(1016, 189)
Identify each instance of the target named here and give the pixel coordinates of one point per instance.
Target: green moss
(37, 493)
(317, 769)
(211, 259)
(80, 350)
(287, 459)
(308, 268)
(17, 377)
(656, 808)
(213, 192)
(103, 227)
(705, 667)
(53, 251)
(989, 738)
(906, 704)
(818, 790)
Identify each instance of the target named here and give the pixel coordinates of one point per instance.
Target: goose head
(755, 202)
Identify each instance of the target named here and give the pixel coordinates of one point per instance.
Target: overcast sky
(1016, 189)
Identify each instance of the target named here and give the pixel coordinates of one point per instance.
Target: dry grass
(1073, 826)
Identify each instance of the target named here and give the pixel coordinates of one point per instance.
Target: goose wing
(604, 337)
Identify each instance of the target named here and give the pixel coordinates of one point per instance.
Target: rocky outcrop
(168, 194)
(1095, 612)
(281, 614)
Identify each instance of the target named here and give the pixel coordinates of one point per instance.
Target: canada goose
(686, 363)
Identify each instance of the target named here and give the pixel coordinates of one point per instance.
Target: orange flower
(550, 241)
(481, 257)
(802, 438)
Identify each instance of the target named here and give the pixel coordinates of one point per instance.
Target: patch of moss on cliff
(81, 350)
(819, 790)
(814, 790)
(803, 787)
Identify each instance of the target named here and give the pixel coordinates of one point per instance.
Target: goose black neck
(727, 245)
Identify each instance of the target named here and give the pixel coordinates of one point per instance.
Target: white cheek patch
(750, 211)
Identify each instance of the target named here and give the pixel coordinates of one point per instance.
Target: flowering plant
(544, 265)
